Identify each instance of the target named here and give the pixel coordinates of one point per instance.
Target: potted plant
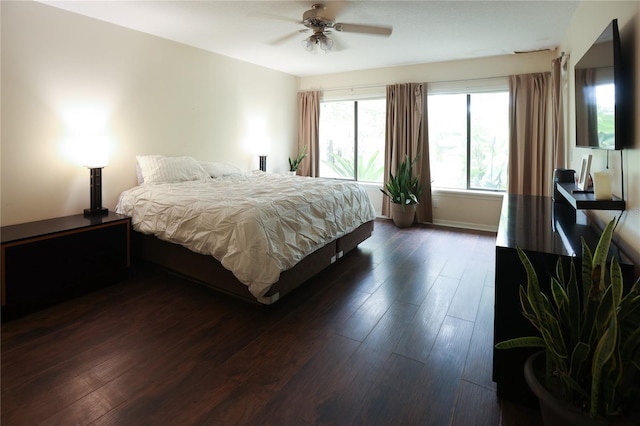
(403, 191)
(294, 163)
(590, 341)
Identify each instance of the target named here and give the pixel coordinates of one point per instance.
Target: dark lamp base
(96, 212)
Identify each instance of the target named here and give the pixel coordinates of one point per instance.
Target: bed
(254, 235)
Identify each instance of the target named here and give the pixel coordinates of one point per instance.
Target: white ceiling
(266, 32)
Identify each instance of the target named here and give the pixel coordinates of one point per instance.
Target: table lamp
(97, 158)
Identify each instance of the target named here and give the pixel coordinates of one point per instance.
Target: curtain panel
(308, 133)
(407, 134)
(530, 135)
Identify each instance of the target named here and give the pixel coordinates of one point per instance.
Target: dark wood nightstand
(47, 261)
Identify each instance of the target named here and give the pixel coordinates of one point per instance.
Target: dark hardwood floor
(399, 332)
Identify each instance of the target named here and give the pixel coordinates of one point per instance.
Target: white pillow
(160, 169)
(216, 169)
(139, 174)
(145, 159)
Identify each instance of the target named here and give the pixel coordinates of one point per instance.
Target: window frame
(356, 141)
(470, 87)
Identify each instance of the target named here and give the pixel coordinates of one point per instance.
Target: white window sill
(467, 193)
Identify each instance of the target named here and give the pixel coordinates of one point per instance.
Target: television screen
(598, 94)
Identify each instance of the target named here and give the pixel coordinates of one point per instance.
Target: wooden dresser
(47, 261)
(545, 230)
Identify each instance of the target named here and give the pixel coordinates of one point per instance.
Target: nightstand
(47, 261)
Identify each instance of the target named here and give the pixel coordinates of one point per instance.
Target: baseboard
(466, 225)
(456, 224)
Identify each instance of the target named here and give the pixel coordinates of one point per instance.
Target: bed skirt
(210, 272)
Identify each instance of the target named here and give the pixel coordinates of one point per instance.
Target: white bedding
(256, 225)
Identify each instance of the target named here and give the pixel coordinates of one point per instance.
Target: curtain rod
(373, 86)
(333, 89)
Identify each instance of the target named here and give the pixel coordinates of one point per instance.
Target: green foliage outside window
(369, 170)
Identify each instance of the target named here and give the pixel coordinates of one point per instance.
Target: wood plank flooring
(399, 332)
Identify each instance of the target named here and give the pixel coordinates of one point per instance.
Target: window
(605, 111)
(469, 140)
(350, 130)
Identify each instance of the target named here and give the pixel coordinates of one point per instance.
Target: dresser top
(23, 231)
(536, 223)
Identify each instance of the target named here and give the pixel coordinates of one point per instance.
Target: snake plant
(590, 335)
(403, 188)
(294, 163)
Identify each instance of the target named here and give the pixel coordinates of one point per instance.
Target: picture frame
(585, 169)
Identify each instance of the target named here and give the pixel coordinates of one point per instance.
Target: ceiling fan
(320, 21)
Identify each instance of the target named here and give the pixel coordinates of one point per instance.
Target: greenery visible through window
(350, 130)
(469, 140)
(605, 95)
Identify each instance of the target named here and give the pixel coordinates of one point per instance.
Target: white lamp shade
(97, 153)
(326, 43)
(262, 145)
(308, 44)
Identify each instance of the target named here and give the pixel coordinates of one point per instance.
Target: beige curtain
(530, 135)
(308, 133)
(407, 134)
(559, 96)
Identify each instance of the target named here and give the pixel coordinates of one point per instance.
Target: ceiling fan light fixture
(325, 43)
(311, 43)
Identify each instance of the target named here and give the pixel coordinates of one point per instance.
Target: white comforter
(256, 225)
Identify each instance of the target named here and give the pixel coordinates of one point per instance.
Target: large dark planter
(555, 412)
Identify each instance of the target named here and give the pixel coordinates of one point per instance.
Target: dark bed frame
(210, 272)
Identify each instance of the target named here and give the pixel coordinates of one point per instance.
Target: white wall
(468, 209)
(589, 20)
(66, 77)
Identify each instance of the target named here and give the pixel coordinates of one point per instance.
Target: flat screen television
(599, 94)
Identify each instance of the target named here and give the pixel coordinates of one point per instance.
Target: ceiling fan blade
(286, 37)
(272, 17)
(363, 29)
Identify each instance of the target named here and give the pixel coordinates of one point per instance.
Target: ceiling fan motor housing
(317, 18)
